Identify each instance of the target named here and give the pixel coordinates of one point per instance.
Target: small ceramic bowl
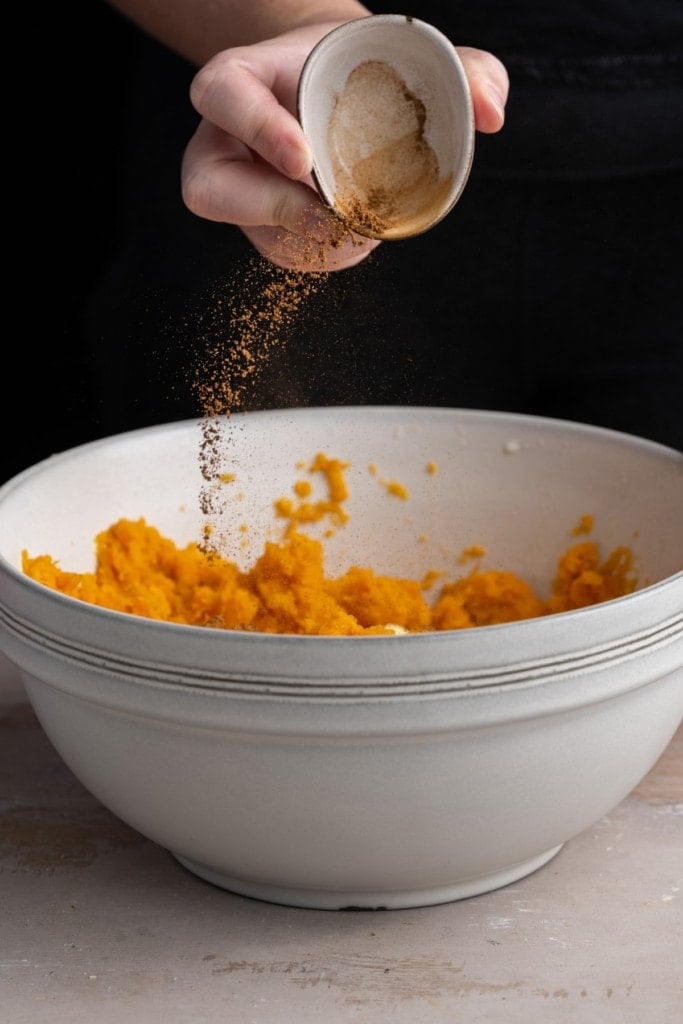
(371, 771)
(386, 108)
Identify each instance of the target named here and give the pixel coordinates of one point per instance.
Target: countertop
(100, 925)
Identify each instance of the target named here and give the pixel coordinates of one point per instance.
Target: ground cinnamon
(265, 303)
(387, 174)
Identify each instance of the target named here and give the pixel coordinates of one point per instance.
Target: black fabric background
(554, 287)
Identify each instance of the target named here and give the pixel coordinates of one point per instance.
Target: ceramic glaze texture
(360, 771)
(385, 106)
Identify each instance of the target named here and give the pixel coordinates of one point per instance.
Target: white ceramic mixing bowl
(359, 771)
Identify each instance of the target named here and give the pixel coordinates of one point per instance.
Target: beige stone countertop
(100, 925)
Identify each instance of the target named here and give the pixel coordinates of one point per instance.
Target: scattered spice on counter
(286, 590)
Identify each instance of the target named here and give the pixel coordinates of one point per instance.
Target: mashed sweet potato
(286, 590)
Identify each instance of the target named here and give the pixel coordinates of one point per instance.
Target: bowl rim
(351, 411)
(88, 633)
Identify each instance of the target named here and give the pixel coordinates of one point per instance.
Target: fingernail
(497, 100)
(295, 162)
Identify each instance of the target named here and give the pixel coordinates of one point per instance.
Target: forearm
(198, 29)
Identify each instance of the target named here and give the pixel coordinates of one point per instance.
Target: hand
(249, 164)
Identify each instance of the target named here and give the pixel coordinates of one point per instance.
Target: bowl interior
(516, 485)
(429, 70)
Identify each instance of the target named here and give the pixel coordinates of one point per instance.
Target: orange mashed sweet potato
(286, 590)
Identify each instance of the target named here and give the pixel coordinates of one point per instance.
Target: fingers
(222, 180)
(250, 93)
(489, 86)
(249, 164)
(301, 252)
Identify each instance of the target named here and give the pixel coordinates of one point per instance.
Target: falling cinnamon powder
(264, 307)
(269, 301)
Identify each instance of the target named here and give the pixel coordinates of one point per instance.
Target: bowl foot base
(333, 899)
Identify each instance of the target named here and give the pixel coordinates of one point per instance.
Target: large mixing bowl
(371, 771)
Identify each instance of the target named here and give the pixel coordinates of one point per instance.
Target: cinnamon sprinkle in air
(264, 307)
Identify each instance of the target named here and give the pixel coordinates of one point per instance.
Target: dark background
(70, 96)
(108, 306)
